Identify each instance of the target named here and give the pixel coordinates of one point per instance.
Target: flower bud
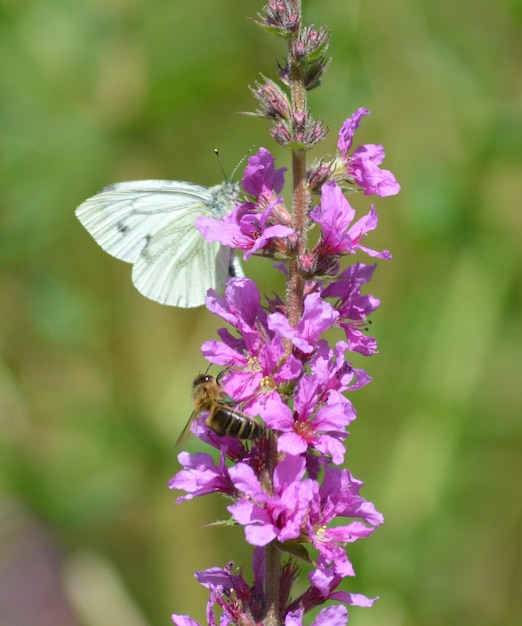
(273, 100)
(280, 17)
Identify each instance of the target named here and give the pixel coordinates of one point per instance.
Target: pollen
(305, 430)
(253, 364)
(267, 384)
(320, 532)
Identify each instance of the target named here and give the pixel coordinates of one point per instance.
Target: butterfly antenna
(218, 157)
(247, 154)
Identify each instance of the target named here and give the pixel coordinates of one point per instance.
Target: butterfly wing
(177, 266)
(150, 223)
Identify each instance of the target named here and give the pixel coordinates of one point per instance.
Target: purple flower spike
(284, 361)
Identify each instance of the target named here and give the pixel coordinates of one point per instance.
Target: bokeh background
(95, 379)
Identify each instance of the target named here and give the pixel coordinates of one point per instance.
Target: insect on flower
(150, 223)
(223, 418)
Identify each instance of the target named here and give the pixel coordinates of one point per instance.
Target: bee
(223, 418)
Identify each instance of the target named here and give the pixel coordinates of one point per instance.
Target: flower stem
(296, 283)
(295, 298)
(300, 192)
(272, 584)
(272, 554)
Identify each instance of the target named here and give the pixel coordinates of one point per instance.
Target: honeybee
(223, 418)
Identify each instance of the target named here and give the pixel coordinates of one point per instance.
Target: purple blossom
(363, 165)
(255, 357)
(227, 590)
(324, 585)
(320, 426)
(255, 378)
(184, 620)
(334, 215)
(240, 306)
(338, 495)
(201, 476)
(318, 316)
(230, 592)
(251, 234)
(260, 176)
(354, 308)
(330, 616)
(280, 515)
(333, 372)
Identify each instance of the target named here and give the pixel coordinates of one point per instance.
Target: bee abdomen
(225, 422)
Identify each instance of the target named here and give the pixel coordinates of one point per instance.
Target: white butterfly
(150, 223)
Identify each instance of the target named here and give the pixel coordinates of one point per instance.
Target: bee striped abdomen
(228, 422)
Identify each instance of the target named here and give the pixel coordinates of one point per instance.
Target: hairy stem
(295, 299)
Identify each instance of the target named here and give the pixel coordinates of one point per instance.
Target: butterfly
(150, 223)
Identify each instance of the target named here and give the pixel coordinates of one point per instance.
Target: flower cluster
(287, 488)
(296, 381)
(260, 224)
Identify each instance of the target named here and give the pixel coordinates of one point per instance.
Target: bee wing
(187, 430)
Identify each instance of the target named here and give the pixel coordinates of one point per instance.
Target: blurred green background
(95, 379)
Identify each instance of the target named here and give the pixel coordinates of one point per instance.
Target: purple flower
(323, 588)
(255, 358)
(334, 215)
(331, 370)
(362, 167)
(254, 225)
(318, 316)
(260, 176)
(230, 592)
(267, 517)
(353, 307)
(257, 383)
(201, 476)
(252, 233)
(338, 495)
(184, 620)
(330, 616)
(240, 306)
(320, 413)
(314, 424)
(324, 585)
